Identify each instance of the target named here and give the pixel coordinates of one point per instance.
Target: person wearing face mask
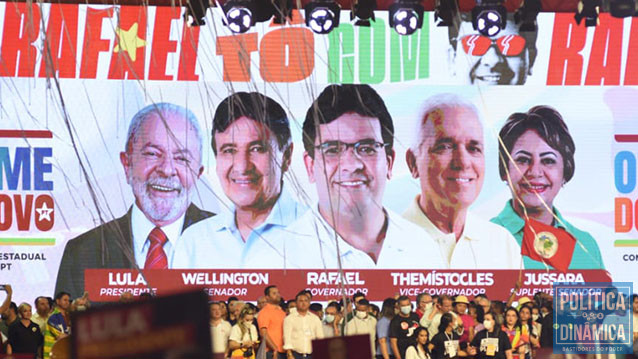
(331, 320)
(490, 342)
(383, 328)
(445, 344)
(362, 322)
(402, 328)
(425, 303)
(419, 349)
(243, 336)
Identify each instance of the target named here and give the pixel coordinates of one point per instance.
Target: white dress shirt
(368, 325)
(219, 336)
(142, 227)
(216, 242)
(300, 331)
(482, 245)
(313, 244)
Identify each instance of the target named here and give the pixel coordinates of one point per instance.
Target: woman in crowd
(536, 159)
(517, 334)
(24, 335)
(478, 319)
(383, 329)
(491, 342)
(419, 349)
(224, 310)
(243, 335)
(445, 344)
(525, 315)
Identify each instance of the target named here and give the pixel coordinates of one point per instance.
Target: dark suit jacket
(108, 246)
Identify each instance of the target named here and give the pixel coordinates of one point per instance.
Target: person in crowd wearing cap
(383, 328)
(362, 322)
(461, 304)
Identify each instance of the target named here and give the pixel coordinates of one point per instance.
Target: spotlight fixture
(406, 16)
(489, 17)
(623, 8)
(363, 12)
(322, 16)
(195, 13)
(526, 15)
(588, 10)
(239, 15)
(446, 13)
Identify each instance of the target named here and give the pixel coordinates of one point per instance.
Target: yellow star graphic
(129, 41)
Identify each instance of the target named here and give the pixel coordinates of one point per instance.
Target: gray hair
(444, 101)
(163, 109)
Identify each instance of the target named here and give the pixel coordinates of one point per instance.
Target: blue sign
(591, 318)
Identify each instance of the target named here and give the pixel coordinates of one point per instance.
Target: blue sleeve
(383, 328)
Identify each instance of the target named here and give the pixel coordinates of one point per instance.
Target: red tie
(156, 257)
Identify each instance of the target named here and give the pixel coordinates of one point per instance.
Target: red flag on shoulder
(547, 244)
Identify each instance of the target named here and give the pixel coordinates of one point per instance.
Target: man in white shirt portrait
(348, 138)
(449, 161)
(252, 144)
(219, 331)
(300, 328)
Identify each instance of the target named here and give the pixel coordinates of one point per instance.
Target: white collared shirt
(216, 242)
(141, 227)
(300, 331)
(482, 245)
(368, 325)
(313, 244)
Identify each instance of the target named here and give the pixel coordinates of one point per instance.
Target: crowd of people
(431, 327)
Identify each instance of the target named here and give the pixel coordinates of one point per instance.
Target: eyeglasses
(508, 45)
(363, 148)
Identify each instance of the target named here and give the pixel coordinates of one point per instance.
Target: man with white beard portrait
(162, 163)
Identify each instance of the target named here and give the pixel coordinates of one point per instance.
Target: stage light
(489, 17)
(239, 15)
(195, 13)
(588, 10)
(446, 13)
(623, 8)
(322, 16)
(406, 16)
(526, 15)
(363, 12)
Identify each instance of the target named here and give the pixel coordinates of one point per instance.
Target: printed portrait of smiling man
(252, 144)
(348, 139)
(506, 58)
(448, 160)
(162, 163)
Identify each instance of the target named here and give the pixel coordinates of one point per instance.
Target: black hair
(336, 100)
(316, 307)
(402, 298)
(334, 304)
(231, 299)
(518, 317)
(357, 295)
(14, 306)
(35, 302)
(446, 319)
(61, 294)
(257, 107)
(387, 308)
(415, 342)
(549, 125)
(268, 288)
(480, 314)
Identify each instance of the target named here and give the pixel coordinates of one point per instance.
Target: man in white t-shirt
(219, 331)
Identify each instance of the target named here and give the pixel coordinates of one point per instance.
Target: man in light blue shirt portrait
(252, 144)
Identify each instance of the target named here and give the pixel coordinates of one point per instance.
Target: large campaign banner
(138, 154)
